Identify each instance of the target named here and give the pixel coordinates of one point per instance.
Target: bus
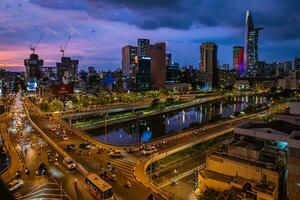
(98, 187)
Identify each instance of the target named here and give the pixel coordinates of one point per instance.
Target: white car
(69, 163)
(15, 185)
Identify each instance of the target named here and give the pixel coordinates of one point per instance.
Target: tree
(56, 105)
(155, 102)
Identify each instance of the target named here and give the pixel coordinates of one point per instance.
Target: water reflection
(145, 130)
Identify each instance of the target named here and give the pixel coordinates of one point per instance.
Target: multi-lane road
(59, 183)
(93, 161)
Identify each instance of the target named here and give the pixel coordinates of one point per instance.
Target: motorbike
(128, 184)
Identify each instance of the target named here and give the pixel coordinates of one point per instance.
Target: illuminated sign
(31, 85)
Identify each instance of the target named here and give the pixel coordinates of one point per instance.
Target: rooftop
(240, 159)
(277, 125)
(267, 188)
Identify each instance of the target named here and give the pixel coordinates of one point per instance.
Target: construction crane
(62, 49)
(33, 47)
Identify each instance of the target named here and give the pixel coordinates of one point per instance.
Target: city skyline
(97, 38)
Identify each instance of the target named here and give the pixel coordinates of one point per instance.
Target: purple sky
(100, 28)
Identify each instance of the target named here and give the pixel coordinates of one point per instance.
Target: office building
(297, 63)
(251, 47)
(128, 59)
(33, 67)
(67, 70)
(143, 73)
(157, 53)
(172, 73)
(262, 72)
(238, 60)
(209, 64)
(288, 66)
(168, 59)
(143, 47)
(226, 78)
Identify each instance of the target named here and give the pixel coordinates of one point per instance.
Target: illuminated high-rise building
(143, 47)
(209, 63)
(157, 53)
(128, 59)
(251, 47)
(238, 60)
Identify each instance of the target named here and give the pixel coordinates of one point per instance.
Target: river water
(145, 130)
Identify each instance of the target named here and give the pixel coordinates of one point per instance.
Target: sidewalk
(15, 160)
(192, 196)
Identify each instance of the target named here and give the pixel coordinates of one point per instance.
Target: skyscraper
(143, 47)
(209, 63)
(238, 60)
(157, 53)
(251, 47)
(143, 73)
(128, 59)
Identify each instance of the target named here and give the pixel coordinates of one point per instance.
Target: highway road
(59, 183)
(92, 163)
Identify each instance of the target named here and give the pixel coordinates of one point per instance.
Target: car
(148, 152)
(69, 163)
(15, 185)
(65, 137)
(42, 169)
(71, 147)
(117, 154)
(85, 145)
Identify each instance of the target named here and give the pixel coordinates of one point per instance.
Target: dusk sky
(99, 28)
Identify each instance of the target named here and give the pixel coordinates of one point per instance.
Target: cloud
(184, 14)
(101, 27)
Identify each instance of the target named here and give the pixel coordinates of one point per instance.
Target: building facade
(67, 70)
(143, 47)
(128, 59)
(209, 63)
(157, 53)
(33, 67)
(238, 60)
(143, 73)
(251, 47)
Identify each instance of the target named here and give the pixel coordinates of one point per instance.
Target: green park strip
(181, 156)
(156, 106)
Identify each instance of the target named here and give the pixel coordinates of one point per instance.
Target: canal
(145, 130)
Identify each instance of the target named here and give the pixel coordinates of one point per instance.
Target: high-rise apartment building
(157, 53)
(209, 63)
(128, 59)
(251, 47)
(238, 60)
